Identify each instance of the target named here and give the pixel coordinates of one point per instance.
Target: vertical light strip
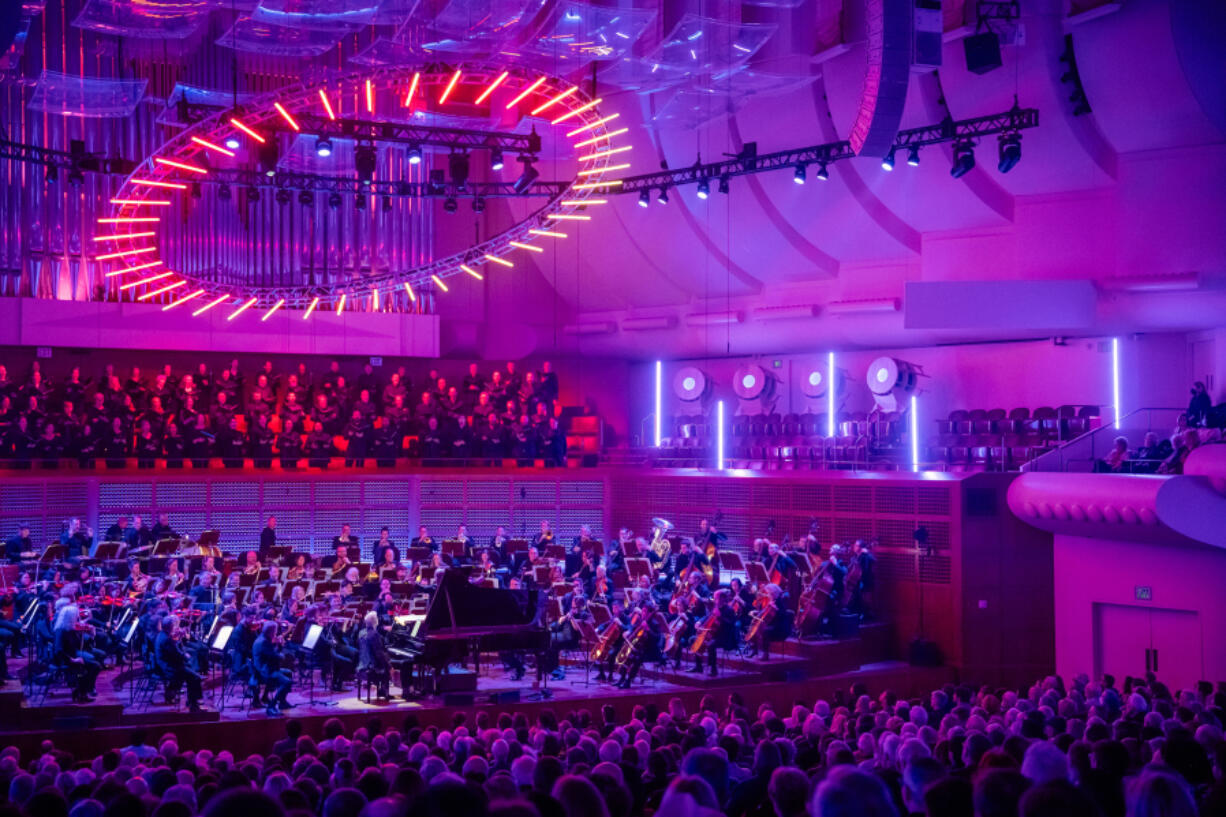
(914, 434)
(323, 97)
(830, 384)
(450, 87)
(311, 308)
(409, 289)
(1115, 379)
(370, 97)
(490, 88)
(659, 398)
(340, 307)
(412, 88)
(719, 436)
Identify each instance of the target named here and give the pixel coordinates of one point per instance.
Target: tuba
(659, 545)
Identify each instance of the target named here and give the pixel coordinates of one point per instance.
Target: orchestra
(190, 610)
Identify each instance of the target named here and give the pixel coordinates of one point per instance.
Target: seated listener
(289, 445)
(1116, 460)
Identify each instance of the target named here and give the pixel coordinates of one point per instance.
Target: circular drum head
(814, 383)
(882, 375)
(750, 382)
(689, 383)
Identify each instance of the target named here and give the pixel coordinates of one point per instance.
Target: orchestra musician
(423, 540)
(204, 592)
(389, 562)
(19, 544)
(833, 567)
(345, 538)
(173, 662)
(384, 543)
(862, 600)
(461, 536)
(83, 667)
(251, 564)
(564, 634)
(339, 562)
(642, 643)
(163, 530)
(266, 662)
(175, 578)
(300, 569)
(373, 658)
(138, 582)
(207, 568)
(268, 536)
(689, 561)
(544, 536)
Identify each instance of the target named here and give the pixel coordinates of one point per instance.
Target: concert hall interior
(612, 408)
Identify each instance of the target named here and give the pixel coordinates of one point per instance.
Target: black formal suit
(174, 664)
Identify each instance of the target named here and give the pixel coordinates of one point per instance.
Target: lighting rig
(963, 133)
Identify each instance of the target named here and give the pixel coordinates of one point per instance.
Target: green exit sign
(1144, 593)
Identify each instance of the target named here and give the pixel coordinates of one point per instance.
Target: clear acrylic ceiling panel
(10, 59)
(693, 105)
(395, 12)
(89, 97)
(704, 44)
(149, 20)
(497, 19)
(759, 83)
(635, 74)
(385, 51)
(322, 15)
(278, 41)
(577, 33)
(213, 97)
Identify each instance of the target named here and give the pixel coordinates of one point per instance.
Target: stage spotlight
(888, 162)
(478, 204)
(752, 382)
(663, 197)
(306, 198)
(913, 157)
(364, 158)
(283, 196)
(724, 187)
(232, 143)
(1010, 151)
(823, 173)
(387, 204)
(964, 159)
(704, 189)
(496, 162)
(450, 205)
(334, 200)
(457, 165)
(414, 154)
(359, 201)
(800, 175)
(644, 198)
(529, 175)
(267, 157)
(890, 380)
(253, 195)
(691, 384)
(323, 148)
(223, 192)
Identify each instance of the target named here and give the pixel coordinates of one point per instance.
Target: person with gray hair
(81, 665)
(849, 792)
(374, 662)
(789, 792)
(1044, 762)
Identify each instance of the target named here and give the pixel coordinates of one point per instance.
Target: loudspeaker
(507, 696)
(847, 625)
(460, 681)
(459, 699)
(982, 52)
(924, 653)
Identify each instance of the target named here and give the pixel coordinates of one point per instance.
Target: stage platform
(805, 670)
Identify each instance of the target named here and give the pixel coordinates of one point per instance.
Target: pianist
(374, 662)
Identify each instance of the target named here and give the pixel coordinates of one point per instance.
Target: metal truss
(454, 139)
(750, 161)
(310, 182)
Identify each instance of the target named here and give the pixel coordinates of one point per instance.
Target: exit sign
(1144, 593)
(376, 361)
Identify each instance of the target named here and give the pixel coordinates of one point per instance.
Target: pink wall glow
(1090, 571)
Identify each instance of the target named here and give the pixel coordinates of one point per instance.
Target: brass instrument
(659, 544)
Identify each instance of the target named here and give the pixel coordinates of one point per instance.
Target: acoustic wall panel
(853, 498)
(287, 494)
(169, 496)
(234, 494)
(337, 494)
(813, 498)
(396, 492)
(482, 522)
(932, 501)
(442, 492)
(580, 492)
(125, 497)
(20, 497)
(535, 493)
(396, 520)
(488, 492)
(894, 500)
(70, 496)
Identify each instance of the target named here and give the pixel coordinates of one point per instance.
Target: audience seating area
(999, 440)
(1077, 749)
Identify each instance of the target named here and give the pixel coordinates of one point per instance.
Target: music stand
(540, 575)
(209, 538)
(327, 586)
(620, 580)
(280, 552)
(314, 631)
(600, 613)
(165, 547)
(514, 546)
(418, 554)
(560, 588)
(630, 548)
(731, 562)
(52, 554)
(106, 551)
(402, 589)
(453, 548)
(427, 574)
(9, 575)
(637, 567)
(555, 552)
(756, 572)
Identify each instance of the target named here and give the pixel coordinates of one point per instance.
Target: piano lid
(459, 604)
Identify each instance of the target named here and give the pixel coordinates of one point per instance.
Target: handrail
(1075, 450)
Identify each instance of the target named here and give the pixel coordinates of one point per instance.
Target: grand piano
(464, 620)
